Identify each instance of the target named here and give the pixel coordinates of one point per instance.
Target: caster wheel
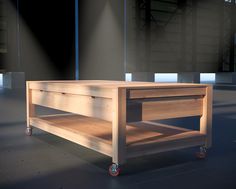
(202, 153)
(28, 131)
(114, 170)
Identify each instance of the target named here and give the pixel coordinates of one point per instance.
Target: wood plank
(169, 92)
(30, 108)
(80, 104)
(171, 109)
(180, 141)
(206, 118)
(102, 129)
(73, 88)
(119, 126)
(107, 100)
(81, 138)
(166, 126)
(88, 131)
(163, 109)
(140, 132)
(80, 124)
(171, 137)
(144, 132)
(142, 138)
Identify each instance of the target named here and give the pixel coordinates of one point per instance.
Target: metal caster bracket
(114, 170)
(202, 153)
(28, 131)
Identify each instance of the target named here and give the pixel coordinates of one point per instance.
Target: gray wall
(10, 58)
(39, 43)
(187, 39)
(101, 35)
(3, 28)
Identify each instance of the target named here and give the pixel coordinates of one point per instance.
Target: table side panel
(80, 104)
(88, 141)
(171, 109)
(206, 118)
(30, 108)
(121, 104)
(71, 88)
(168, 92)
(157, 109)
(189, 139)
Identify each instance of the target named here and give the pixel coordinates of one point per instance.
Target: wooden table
(115, 118)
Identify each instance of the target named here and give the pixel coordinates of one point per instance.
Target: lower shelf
(141, 138)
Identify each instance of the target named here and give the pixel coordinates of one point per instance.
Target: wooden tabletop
(114, 84)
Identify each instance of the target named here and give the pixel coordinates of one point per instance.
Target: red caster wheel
(114, 170)
(28, 131)
(202, 153)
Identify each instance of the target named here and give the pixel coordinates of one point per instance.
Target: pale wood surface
(108, 100)
(81, 104)
(97, 128)
(68, 130)
(119, 126)
(152, 123)
(30, 107)
(171, 109)
(141, 110)
(175, 142)
(206, 118)
(168, 92)
(107, 84)
(97, 134)
(72, 88)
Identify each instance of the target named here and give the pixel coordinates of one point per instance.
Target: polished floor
(47, 161)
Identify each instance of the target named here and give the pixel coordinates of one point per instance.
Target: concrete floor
(47, 161)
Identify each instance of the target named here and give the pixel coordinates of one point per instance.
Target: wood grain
(30, 108)
(206, 118)
(168, 92)
(141, 110)
(85, 105)
(103, 111)
(119, 126)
